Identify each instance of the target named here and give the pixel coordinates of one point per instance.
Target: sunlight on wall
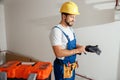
(102, 4)
(96, 1)
(109, 5)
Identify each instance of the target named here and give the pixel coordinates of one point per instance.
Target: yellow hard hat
(70, 8)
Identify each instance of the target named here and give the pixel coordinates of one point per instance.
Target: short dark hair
(65, 14)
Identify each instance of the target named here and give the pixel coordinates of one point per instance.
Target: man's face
(70, 19)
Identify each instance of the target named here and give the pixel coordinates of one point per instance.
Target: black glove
(93, 49)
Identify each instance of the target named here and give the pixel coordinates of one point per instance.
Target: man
(64, 45)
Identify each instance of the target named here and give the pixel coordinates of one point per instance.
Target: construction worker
(63, 40)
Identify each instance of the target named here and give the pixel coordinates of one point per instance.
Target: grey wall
(28, 23)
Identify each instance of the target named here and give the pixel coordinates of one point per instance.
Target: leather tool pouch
(68, 70)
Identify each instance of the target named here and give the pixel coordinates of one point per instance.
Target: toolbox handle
(28, 63)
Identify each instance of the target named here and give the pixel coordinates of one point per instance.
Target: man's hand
(81, 49)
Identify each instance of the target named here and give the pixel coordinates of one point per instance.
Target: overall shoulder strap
(73, 33)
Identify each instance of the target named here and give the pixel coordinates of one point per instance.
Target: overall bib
(58, 63)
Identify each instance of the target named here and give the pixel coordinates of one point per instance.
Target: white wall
(2, 28)
(104, 66)
(119, 63)
(28, 23)
(3, 45)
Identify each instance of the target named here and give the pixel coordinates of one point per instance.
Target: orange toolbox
(10, 68)
(23, 70)
(17, 70)
(43, 69)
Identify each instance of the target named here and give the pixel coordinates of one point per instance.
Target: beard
(70, 23)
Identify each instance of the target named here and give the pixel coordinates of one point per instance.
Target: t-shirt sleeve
(55, 37)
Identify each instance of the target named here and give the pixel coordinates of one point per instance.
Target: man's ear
(63, 16)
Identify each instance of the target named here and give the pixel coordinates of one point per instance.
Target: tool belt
(68, 69)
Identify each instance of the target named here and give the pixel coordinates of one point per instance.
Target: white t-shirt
(58, 38)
